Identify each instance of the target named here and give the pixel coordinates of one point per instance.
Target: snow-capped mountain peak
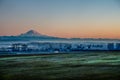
(32, 33)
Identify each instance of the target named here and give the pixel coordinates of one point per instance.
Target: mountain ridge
(32, 33)
(28, 36)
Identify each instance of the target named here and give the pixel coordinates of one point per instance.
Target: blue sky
(62, 18)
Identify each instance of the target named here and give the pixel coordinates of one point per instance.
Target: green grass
(74, 66)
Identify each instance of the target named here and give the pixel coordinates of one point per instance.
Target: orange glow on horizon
(73, 30)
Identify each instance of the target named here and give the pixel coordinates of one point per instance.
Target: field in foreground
(74, 66)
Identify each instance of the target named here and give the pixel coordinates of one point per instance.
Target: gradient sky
(62, 18)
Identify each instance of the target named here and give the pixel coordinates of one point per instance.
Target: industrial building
(59, 47)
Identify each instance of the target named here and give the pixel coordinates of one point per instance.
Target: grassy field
(74, 66)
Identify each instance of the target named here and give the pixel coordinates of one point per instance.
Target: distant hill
(28, 36)
(34, 35)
